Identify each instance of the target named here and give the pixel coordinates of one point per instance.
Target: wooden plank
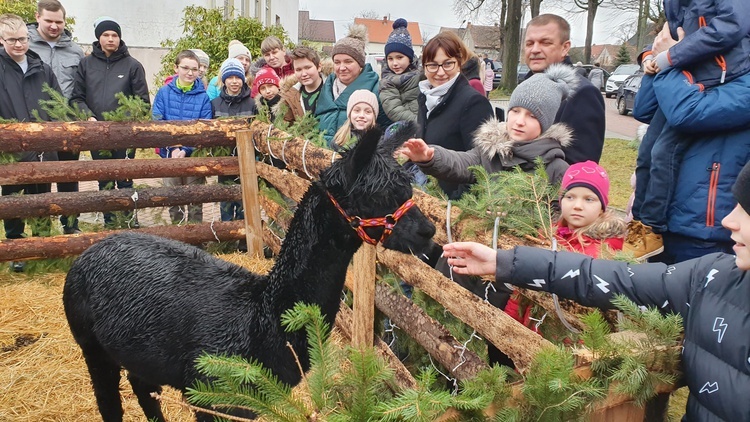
(363, 271)
(250, 202)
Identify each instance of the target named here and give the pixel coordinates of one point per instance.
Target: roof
(315, 30)
(483, 36)
(378, 30)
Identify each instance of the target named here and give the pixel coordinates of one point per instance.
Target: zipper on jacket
(712, 189)
(720, 58)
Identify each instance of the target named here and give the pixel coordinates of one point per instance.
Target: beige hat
(353, 44)
(236, 48)
(362, 96)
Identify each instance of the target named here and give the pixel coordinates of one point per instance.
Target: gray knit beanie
(353, 44)
(741, 188)
(543, 93)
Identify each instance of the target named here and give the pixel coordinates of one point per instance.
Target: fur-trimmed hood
(492, 138)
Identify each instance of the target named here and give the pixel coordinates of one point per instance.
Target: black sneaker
(17, 266)
(68, 230)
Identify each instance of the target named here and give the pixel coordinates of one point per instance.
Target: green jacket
(331, 113)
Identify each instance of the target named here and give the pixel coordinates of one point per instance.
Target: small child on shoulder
(399, 80)
(528, 134)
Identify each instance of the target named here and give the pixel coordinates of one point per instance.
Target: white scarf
(338, 88)
(435, 95)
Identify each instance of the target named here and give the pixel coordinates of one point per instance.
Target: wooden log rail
(86, 136)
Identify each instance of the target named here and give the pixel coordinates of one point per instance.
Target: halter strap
(389, 221)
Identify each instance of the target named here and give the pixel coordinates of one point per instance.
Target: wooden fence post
(363, 266)
(250, 202)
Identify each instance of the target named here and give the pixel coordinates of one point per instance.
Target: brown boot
(642, 242)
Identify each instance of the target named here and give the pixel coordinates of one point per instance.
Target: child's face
(306, 72)
(202, 70)
(245, 62)
(187, 71)
(738, 222)
(233, 84)
(268, 91)
(580, 207)
(397, 62)
(362, 116)
(275, 58)
(522, 125)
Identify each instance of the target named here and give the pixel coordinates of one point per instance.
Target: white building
(146, 23)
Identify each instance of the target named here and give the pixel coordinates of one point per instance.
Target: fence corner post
(250, 200)
(363, 266)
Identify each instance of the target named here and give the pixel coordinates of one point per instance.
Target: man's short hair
(10, 23)
(306, 53)
(269, 43)
(51, 5)
(547, 18)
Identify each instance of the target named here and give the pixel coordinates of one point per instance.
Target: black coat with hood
(240, 105)
(100, 77)
(20, 94)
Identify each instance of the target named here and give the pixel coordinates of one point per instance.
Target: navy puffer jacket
(710, 293)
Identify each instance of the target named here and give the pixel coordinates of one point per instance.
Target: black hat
(741, 188)
(104, 24)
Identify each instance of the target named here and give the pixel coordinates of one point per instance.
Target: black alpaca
(152, 305)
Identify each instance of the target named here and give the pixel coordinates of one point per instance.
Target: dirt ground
(42, 373)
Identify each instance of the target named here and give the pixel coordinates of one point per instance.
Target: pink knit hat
(265, 75)
(590, 175)
(362, 96)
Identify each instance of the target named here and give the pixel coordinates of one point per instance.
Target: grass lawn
(618, 158)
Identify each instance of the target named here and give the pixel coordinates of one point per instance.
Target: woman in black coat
(450, 110)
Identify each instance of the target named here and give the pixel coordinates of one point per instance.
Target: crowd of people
(696, 70)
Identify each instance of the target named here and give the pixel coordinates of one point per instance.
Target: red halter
(389, 221)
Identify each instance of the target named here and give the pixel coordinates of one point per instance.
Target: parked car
(618, 77)
(377, 61)
(588, 68)
(625, 98)
(497, 68)
(522, 71)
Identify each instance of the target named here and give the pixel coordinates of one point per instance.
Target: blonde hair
(607, 225)
(10, 23)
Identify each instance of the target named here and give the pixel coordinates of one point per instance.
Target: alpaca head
(369, 183)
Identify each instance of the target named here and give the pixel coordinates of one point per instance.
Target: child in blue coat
(183, 99)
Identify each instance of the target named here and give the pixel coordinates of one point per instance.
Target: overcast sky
(432, 14)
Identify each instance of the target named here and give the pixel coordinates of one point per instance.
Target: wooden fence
(519, 343)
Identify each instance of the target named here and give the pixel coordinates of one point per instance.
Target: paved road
(623, 127)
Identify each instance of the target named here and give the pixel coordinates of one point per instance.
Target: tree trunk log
(85, 136)
(44, 204)
(297, 153)
(507, 334)
(429, 333)
(79, 171)
(60, 246)
(286, 182)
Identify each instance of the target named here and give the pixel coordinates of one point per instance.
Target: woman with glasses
(450, 110)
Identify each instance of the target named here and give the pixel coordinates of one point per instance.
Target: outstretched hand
(471, 258)
(417, 150)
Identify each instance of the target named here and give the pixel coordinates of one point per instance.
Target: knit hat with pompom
(543, 93)
(400, 40)
(353, 44)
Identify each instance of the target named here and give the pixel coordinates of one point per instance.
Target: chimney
(385, 20)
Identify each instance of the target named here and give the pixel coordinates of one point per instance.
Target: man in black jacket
(548, 41)
(22, 76)
(109, 69)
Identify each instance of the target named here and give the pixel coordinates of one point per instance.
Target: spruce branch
(58, 108)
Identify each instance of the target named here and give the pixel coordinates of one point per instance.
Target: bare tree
(650, 14)
(511, 53)
(369, 14)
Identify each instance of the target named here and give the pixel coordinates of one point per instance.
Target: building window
(258, 10)
(278, 20)
(268, 13)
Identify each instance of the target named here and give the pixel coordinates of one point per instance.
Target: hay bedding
(43, 376)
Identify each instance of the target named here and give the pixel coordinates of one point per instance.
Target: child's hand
(471, 258)
(650, 67)
(178, 153)
(417, 150)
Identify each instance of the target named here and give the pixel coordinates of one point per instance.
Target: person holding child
(528, 134)
(183, 99)
(361, 112)
(399, 80)
(710, 293)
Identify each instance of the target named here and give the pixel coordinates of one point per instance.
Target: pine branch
(58, 108)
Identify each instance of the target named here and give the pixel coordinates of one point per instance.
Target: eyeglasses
(13, 41)
(189, 69)
(447, 66)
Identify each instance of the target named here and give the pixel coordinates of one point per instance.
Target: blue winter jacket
(171, 103)
(331, 113)
(710, 293)
(716, 47)
(713, 159)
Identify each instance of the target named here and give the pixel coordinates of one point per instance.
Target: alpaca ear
(364, 151)
(396, 134)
